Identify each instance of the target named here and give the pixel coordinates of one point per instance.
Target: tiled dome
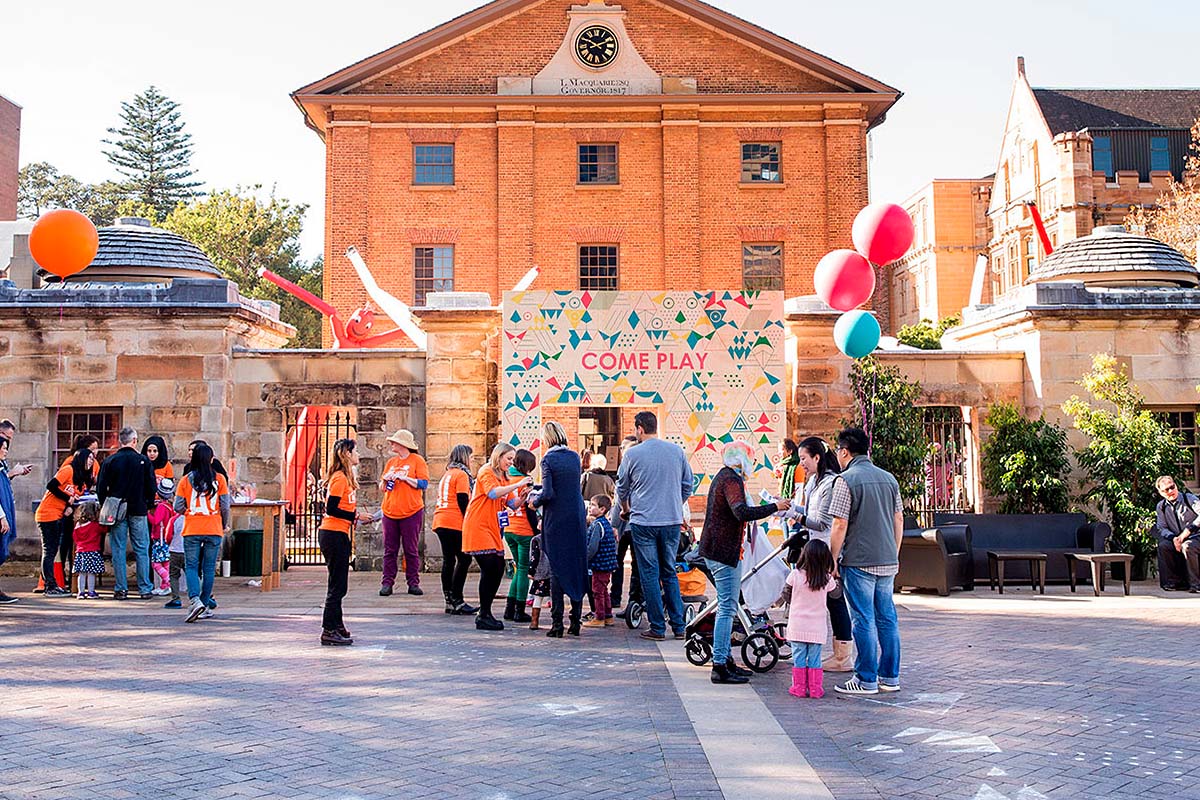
(1112, 256)
(132, 251)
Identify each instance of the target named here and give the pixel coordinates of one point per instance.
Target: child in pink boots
(807, 585)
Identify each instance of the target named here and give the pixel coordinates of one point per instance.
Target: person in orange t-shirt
(71, 480)
(522, 524)
(403, 483)
(341, 512)
(155, 449)
(202, 496)
(453, 496)
(486, 517)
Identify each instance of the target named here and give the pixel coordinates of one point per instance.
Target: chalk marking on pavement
(750, 754)
(943, 702)
(954, 741)
(566, 710)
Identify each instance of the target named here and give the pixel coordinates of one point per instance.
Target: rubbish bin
(247, 552)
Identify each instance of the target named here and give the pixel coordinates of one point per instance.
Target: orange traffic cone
(59, 578)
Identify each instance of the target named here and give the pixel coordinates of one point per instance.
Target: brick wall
(10, 140)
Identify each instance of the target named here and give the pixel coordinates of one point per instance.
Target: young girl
(88, 561)
(808, 584)
(539, 583)
(162, 522)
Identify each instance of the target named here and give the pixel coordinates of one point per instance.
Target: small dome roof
(1112, 256)
(133, 251)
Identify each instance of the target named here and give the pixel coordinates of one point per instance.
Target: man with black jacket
(129, 475)
(1177, 529)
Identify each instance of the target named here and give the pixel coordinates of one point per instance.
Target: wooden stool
(1037, 574)
(1098, 561)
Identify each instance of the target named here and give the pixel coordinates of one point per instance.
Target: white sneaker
(854, 686)
(195, 610)
(163, 592)
(208, 613)
(888, 688)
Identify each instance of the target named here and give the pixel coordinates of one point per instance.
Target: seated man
(1177, 529)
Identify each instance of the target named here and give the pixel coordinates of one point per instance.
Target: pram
(692, 584)
(762, 642)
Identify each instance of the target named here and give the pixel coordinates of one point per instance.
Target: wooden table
(1037, 576)
(274, 545)
(1097, 561)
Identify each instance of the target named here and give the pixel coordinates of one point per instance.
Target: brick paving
(1017, 697)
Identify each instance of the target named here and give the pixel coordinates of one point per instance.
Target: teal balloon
(856, 333)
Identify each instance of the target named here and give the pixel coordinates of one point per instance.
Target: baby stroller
(692, 584)
(762, 642)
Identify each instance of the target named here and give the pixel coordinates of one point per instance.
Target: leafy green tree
(1025, 462)
(41, 187)
(925, 334)
(1128, 448)
(153, 152)
(242, 234)
(885, 406)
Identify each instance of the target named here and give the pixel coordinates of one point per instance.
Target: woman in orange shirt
(155, 450)
(403, 483)
(522, 523)
(202, 496)
(486, 517)
(453, 497)
(71, 480)
(341, 512)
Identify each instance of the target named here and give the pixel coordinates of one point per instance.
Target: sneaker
(887, 688)
(679, 635)
(175, 603)
(145, 595)
(211, 603)
(594, 623)
(119, 594)
(6, 599)
(56, 591)
(82, 596)
(385, 591)
(854, 686)
(415, 590)
(652, 636)
(195, 610)
(207, 613)
(93, 596)
(163, 592)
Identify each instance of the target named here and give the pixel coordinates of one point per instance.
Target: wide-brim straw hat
(404, 438)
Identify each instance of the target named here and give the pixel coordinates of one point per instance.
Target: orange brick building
(658, 144)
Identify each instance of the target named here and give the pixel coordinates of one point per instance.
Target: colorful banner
(709, 364)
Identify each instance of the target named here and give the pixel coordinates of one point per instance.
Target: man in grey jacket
(654, 481)
(868, 526)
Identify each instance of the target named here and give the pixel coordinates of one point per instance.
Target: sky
(232, 65)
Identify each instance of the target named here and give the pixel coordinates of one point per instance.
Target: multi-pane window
(433, 271)
(103, 423)
(1030, 256)
(1183, 422)
(762, 267)
(433, 165)
(761, 163)
(597, 163)
(598, 267)
(1102, 157)
(1160, 154)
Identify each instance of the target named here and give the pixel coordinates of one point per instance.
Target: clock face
(596, 46)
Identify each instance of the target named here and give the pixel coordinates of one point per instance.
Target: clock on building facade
(596, 46)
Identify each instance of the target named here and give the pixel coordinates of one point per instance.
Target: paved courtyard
(1016, 697)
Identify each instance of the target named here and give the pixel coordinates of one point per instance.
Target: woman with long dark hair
(155, 451)
(820, 464)
(202, 496)
(453, 497)
(482, 528)
(71, 480)
(341, 512)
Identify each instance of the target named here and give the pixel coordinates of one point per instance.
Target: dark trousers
(624, 545)
(839, 617)
(556, 605)
(51, 539)
(66, 548)
(1178, 570)
(454, 563)
(491, 572)
(335, 547)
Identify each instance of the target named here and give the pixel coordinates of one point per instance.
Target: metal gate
(310, 434)
(949, 465)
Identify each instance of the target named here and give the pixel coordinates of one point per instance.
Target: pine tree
(152, 152)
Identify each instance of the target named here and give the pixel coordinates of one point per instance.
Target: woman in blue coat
(564, 527)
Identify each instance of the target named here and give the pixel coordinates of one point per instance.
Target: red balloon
(63, 242)
(882, 232)
(844, 279)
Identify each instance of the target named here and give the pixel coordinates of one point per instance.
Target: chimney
(1020, 66)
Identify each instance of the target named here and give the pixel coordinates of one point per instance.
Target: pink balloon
(882, 232)
(844, 279)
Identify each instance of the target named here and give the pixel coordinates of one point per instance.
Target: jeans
(335, 547)
(137, 529)
(51, 537)
(455, 563)
(806, 655)
(876, 632)
(726, 582)
(518, 588)
(407, 533)
(624, 544)
(200, 554)
(655, 547)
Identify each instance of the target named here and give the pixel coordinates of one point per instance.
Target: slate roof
(149, 249)
(1111, 249)
(1075, 109)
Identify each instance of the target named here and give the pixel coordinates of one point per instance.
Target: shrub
(885, 406)
(925, 334)
(1025, 462)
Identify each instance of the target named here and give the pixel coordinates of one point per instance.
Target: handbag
(112, 511)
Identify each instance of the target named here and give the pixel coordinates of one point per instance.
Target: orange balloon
(63, 242)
